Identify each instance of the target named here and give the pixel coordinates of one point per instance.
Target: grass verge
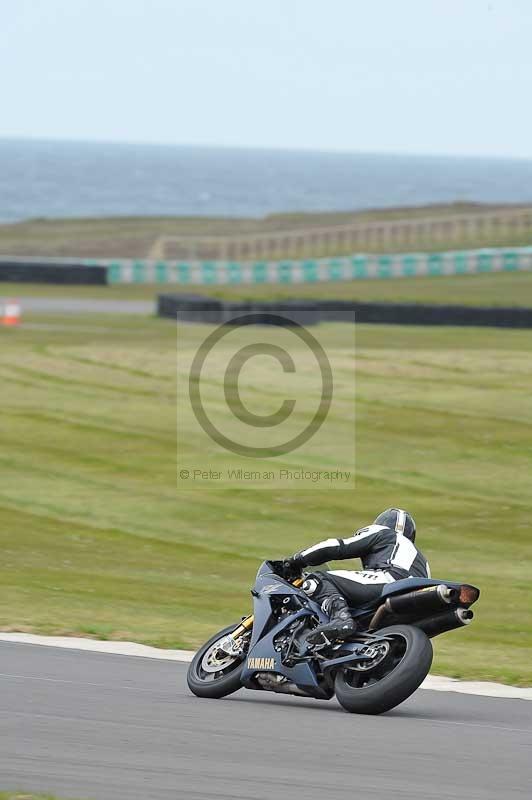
(133, 237)
(497, 289)
(26, 796)
(97, 540)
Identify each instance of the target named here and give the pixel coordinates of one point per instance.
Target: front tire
(394, 679)
(203, 677)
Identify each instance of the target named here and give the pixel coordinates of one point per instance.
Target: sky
(410, 76)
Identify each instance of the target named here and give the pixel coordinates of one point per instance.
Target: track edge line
(437, 683)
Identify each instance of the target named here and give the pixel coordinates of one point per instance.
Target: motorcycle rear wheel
(394, 678)
(204, 680)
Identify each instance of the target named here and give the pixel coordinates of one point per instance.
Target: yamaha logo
(261, 663)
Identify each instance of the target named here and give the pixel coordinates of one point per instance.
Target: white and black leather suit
(387, 555)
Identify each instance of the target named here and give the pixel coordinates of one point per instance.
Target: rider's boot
(340, 626)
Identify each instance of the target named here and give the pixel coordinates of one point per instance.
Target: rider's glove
(293, 566)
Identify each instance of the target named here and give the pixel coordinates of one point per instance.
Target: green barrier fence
(354, 267)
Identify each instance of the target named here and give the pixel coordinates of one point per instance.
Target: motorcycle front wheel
(212, 673)
(402, 663)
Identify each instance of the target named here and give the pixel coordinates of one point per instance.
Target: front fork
(247, 622)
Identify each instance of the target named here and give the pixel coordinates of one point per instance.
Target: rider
(388, 554)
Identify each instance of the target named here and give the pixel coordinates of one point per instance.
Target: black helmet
(398, 520)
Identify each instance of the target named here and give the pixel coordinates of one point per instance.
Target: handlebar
(286, 570)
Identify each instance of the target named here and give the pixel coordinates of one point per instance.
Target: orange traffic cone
(11, 313)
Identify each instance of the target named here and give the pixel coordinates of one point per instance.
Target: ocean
(84, 179)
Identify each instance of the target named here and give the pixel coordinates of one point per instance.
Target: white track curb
(435, 682)
(99, 646)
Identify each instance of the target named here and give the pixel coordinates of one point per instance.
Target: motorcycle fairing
(262, 655)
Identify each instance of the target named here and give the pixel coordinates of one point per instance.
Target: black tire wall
(48, 272)
(200, 308)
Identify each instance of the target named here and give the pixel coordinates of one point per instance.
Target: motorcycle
(378, 667)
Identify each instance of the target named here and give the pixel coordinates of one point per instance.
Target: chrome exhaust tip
(464, 616)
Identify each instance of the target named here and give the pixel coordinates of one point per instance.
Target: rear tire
(214, 684)
(393, 680)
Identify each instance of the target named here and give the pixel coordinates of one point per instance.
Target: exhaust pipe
(448, 621)
(276, 683)
(417, 603)
(432, 599)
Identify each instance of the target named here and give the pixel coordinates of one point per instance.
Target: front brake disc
(215, 660)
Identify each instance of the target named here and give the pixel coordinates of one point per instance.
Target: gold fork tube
(244, 626)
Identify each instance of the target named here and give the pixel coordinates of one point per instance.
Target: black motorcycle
(381, 664)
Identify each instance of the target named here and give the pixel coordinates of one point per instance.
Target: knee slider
(335, 604)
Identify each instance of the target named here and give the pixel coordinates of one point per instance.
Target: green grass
(497, 289)
(133, 237)
(97, 539)
(26, 796)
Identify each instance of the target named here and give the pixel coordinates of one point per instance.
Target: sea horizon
(49, 178)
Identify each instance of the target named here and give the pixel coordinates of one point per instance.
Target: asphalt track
(93, 725)
(73, 305)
